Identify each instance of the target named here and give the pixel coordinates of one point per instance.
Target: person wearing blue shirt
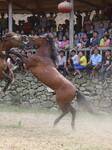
(94, 41)
(95, 62)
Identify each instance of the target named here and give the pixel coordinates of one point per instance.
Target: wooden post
(10, 23)
(71, 26)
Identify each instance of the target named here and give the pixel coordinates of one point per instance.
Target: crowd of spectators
(92, 33)
(97, 64)
(97, 31)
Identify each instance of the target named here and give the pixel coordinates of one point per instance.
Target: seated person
(61, 64)
(105, 41)
(107, 64)
(74, 59)
(94, 41)
(95, 62)
(82, 64)
(10, 69)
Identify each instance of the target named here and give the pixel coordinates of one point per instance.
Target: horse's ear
(10, 34)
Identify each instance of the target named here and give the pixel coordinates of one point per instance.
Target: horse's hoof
(55, 123)
(73, 126)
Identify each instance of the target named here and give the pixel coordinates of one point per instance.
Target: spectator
(43, 21)
(27, 27)
(61, 64)
(81, 65)
(52, 32)
(95, 62)
(84, 41)
(65, 43)
(79, 22)
(107, 64)
(101, 30)
(75, 59)
(94, 41)
(87, 23)
(76, 40)
(105, 41)
(51, 20)
(90, 33)
(60, 32)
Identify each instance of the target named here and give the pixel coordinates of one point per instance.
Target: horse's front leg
(9, 81)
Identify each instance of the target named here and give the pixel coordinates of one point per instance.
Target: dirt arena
(32, 130)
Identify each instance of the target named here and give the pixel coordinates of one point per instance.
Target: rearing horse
(42, 67)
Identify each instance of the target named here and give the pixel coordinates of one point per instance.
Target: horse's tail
(83, 102)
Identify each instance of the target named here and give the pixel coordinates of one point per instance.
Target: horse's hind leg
(73, 112)
(65, 110)
(8, 82)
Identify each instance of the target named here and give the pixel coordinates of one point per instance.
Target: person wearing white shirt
(61, 64)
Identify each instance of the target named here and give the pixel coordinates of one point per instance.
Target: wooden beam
(90, 4)
(22, 6)
(10, 16)
(71, 26)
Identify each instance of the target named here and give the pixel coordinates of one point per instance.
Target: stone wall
(27, 90)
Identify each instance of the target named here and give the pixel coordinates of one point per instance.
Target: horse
(9, 41)
(43, 66)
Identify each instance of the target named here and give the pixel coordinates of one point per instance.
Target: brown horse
(5, 45)
(42, 66)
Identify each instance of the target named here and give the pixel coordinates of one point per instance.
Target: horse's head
(9, 41)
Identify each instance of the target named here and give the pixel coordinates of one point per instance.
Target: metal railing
(90, 50)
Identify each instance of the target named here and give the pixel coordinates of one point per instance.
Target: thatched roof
(28, 6)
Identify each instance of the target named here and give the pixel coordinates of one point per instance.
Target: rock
(25, 92)
(32, 101)
(19, 89)
(13, 93)
(84, 85)
(29, 78)
(99, 91)
(41, 88)
(86, 93)
(98, 87)
(82, 89)
(7, 98)
(43, 97)
(105, 103)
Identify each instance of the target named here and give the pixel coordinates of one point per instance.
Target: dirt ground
(34, 131)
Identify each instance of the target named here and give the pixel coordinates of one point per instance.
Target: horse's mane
(9, 34)
(53, 54)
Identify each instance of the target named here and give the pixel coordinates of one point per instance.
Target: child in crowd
(81, 65)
